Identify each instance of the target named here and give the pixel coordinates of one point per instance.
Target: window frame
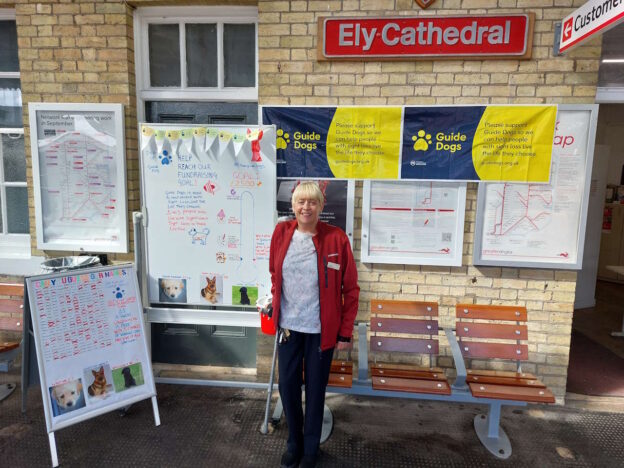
(143, 17)
(11, 245)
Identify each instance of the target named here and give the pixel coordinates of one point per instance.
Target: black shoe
(290, 460)
(308, 461)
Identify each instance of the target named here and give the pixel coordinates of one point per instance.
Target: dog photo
(67, 397)
(244, 295)
(127, 377)
(99, 382)
(171, 290)
(212, 288)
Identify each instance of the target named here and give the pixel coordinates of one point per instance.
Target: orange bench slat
(403, 345)
(509, 392)
(341, 367)
(498, 373)
(505, 381)
(11, 289)
(413, 308)
(8, 346)
(396, 325)
(491, 312)
(408, 373)
(411, 385)
(11, 324)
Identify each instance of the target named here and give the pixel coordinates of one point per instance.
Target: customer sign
(596, 16)
(470, 37)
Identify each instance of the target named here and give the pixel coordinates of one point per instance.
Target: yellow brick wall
(290, 74)
(83, 51)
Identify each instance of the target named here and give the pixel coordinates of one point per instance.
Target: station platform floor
(219, 427)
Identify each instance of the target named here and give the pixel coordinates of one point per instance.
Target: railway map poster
(90, 341)
(80, 177)
(541, 225)
(418, 223)
(209, 194)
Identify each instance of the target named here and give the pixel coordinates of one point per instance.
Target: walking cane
(265, 308)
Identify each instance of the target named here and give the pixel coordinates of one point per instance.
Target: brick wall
(79, 52)
(290, 74)
(83, 51)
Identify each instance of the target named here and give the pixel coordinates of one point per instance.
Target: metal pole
(264, 429)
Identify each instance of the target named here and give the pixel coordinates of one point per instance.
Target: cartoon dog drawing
(244, 297)
(128, 379)
(68, 396)
(199, 236)
(98, 387)
(172, 288)
(210, 291)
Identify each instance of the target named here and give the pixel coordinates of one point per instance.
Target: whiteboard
(79, 174)
(208, 196)
(88, 324)
(414, 223)
(542, 226)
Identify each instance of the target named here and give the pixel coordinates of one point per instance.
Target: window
(197, 53)
(14, 225)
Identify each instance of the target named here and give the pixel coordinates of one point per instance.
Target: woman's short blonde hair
(308, 190)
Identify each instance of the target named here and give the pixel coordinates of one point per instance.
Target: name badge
(333, 266)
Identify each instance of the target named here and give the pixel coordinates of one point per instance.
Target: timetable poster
(90, 343)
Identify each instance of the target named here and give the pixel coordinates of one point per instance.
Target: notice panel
(541, 225)
(417, 223)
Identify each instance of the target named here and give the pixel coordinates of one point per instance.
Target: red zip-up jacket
(338, 287)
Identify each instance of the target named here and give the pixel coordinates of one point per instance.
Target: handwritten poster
(79, 170)
(209, 195)
(90, 342)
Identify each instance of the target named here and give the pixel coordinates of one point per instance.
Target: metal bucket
(69, 263)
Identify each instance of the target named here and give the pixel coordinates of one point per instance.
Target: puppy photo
(98, 380)
(98, 387)
(128, 379)
(244, 298)
(128, 376)
(244, 295)
(212, 289)
(67, 397)
(172, 290)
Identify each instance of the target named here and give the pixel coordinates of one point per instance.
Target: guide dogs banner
(469, 143)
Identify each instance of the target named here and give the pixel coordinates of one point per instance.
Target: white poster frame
(87, 244)
(458, 234)
(149, 390)
(529, 263)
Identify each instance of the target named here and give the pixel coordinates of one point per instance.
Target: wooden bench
(11, 314)
(493, 332)
(498, 332)
(406, 327)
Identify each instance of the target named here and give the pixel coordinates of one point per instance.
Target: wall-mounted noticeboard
(208, 195)
(414, 223)
(339, 202)
(542, 226)
(90, 340)
(79, 173)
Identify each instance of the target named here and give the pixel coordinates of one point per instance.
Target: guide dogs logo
(283, 139)
(421, 140)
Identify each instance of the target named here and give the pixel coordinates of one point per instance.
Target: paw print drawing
(282, 139)
(165, 158)
(422, 141)
(118, 292)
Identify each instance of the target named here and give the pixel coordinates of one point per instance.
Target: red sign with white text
(468, 37)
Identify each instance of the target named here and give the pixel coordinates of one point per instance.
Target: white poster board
(208, 196)
(542, 226)
(79, 173)
(415, 223)
(90, 340)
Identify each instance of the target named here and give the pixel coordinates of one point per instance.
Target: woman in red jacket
(315, 301)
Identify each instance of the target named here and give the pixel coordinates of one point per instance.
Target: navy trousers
(303, 435)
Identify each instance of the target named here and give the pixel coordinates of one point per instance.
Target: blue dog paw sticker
(119, 293)
(165, 158)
